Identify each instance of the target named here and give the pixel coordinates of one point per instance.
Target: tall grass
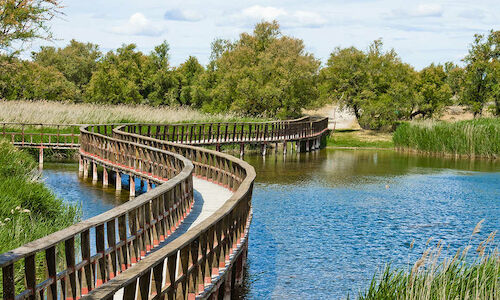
(462, 276)
(28, 209)
(473, 138)
(83, 113)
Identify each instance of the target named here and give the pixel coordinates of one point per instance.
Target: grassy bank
(433, 276)
(84, 113)
(359, 139)
(473, 138)
(28, 209)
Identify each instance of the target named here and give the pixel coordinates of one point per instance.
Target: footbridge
(185, 238)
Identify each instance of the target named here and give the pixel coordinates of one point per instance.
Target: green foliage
(376, 85)
(28, 209)
(481, 83)
(29, 80)
(120, 77)
(263, 73)
(454, 77)
(76, 61)
(480, 137)
(24, 20)
(434, 92)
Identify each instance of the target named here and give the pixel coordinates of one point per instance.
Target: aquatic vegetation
(436, 276)
(473, 138)
(28, 209)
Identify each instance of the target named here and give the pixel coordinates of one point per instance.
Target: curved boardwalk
(185, 238)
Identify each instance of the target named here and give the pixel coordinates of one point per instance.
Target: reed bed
(23, 111)
(436, 276)
(472, 138)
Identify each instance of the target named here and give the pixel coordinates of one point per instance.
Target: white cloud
(138, 24)
(419, 11)
(182, 15)
(267, 13)
(298, 18)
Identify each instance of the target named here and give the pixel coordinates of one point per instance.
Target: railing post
(40, 158)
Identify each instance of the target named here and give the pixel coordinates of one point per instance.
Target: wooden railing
(122, 236)
(187, 266)
(61, 136)
(233, 132)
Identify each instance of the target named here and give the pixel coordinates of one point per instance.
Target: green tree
(188, 74)
(29, 80)
(454, 78)
(161, 81)
(24, 20)
(375, 85)
(119, 78)
(263, 73)
(76, 61)
(480, 83)
(434, 92)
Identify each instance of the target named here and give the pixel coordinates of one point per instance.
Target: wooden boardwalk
(186, 238)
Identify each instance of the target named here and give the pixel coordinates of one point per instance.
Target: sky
(420, 32)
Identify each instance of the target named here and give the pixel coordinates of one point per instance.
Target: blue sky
(421, 32)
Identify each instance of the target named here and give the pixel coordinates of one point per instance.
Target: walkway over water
(185, 238)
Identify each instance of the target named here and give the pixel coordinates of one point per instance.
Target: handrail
(204, 248)
(139, 221)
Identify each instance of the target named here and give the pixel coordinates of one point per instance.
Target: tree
(29, 80)
(480, 83)
(160, 80)
(119, 78)
(188, 74)
(24, 20)
(434, 92)
(263, 73)
(375, 85)
(76, 62)
(454, 78)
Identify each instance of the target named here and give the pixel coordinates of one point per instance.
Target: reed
(23, 111)
(472, 138)
(28, 209)
(437, 276)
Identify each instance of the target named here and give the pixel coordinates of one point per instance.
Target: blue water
(325, 222)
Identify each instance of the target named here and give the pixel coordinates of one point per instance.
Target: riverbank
(478, 138)
(353, 139)
(28, 209)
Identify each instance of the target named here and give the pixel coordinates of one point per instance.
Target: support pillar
(40, 158)
(227, 284)
(297, 147)
(264, 149)
(284, 147)
(217, 147)
(132, 185)
(94, 172)
(105, 177)
(118, 181)
(307, 145)
(85, 169)
(242, 150)
(80, 166)
(276, 148)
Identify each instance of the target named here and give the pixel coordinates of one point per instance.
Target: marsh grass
(28, 209)
(437, 276)
(83, 113)
(472, 138)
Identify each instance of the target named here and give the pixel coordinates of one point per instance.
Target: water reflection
(324, 222)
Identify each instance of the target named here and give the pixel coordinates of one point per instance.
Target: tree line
(263, 73)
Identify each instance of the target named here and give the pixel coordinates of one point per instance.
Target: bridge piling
(284, 147)
(94, 172)
(118, 181)
(105, 177)
(40, 158)
(80, 166)
(85, 169)
(263, 149)
(242, 149)
(132, 185)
